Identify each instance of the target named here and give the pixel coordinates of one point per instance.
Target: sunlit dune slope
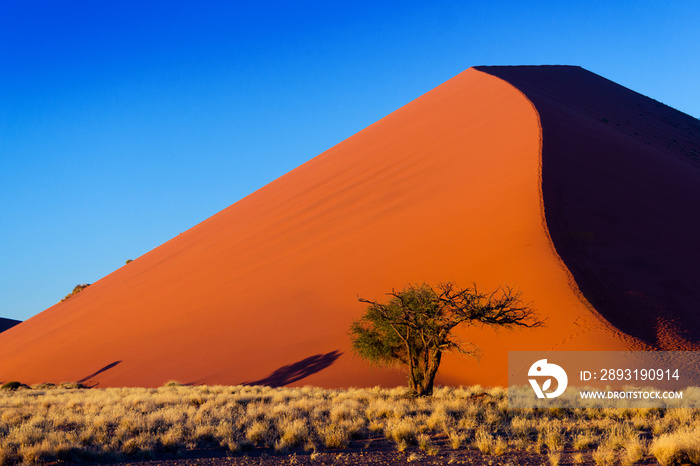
(621, 185)
(447, 187)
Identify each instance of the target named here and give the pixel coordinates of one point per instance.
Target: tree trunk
(424, 386)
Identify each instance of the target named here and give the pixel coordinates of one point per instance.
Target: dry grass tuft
(334, 436)
(413, 457)
(488, 444)
(456, 439)
(554, 457)
(584, 441)
(633, 452)
(554, 438)
(678, 447)
(604, 455)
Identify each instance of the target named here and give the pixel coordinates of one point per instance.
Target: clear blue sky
(124, 123)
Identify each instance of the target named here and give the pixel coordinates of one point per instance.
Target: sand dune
(621, 183)
(7, 323)
(456, 185)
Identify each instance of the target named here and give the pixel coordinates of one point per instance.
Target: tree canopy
(415, 326)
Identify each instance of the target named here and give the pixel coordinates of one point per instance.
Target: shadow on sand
(297, 371)
(106, 368)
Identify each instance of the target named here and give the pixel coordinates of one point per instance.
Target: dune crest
(621, 179)
(452, 186)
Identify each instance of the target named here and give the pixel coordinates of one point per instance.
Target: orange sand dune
(448, 187)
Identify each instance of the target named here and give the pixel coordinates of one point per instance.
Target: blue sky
(124, 123)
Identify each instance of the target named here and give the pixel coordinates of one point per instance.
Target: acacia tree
(416, 326)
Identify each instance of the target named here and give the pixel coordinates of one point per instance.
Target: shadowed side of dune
(6, 324)
(621, 184)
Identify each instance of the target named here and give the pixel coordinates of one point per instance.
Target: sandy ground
(380, 452)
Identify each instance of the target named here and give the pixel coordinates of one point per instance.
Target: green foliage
(76, 290)
(380, 335)
(72, 386)
(416, 326)
(13, 385)
(44, 386)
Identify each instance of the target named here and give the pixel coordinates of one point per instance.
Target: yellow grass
(680, 447)
(47, 424)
